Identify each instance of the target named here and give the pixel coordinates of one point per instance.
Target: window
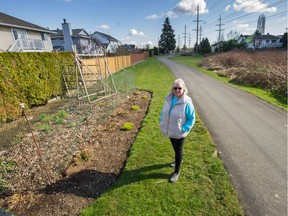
(44, 36)
(19, 33)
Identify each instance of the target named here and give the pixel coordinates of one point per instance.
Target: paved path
(251, 136)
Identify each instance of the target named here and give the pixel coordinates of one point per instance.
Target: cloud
(243, 28)
(154, 16)
(190, 6)
(171, 14)
(227, 7)
(252, 6)
(134, 32)
(104, 26)
(144, 44)
(66, 0)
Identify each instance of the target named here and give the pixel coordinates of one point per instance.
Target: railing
(27, 45)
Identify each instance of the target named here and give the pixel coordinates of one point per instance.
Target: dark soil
(95, 155)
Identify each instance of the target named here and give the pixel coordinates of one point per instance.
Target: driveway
(251, 136)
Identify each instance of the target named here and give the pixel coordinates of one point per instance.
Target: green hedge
(30, 78)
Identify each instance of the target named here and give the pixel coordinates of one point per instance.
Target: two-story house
(81, 42)
(20, 36)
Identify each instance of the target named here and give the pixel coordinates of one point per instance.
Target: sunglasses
(179, 88)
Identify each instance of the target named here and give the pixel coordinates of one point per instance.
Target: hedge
(30, 78)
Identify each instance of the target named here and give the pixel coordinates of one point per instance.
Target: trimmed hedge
(30, 78)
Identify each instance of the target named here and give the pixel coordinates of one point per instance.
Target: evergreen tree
(284, 40)
(167, 40)
(205, 46)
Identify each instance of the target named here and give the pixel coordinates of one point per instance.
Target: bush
(128, 126)
(30, 78)
(266, 69)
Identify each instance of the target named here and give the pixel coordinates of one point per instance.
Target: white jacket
(171, 125)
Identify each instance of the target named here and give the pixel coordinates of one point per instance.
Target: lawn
(203, 188)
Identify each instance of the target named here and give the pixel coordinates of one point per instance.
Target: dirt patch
(80, 164)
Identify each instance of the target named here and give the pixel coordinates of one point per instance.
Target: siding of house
(37, 36)
(6, 38)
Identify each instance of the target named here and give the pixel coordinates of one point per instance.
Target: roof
(76, 33)
(250, 38)
(7, 20)
(104, 37)
(265, 37)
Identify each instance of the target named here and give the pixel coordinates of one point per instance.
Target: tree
(167, 40)
(284, 40)
(205, 46)
(230, 45)
(232, 35)
(257, 32)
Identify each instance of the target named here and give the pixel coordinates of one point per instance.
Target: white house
(20, 36)
(260, 41)
(109, 43)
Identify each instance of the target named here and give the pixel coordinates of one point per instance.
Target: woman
(176, 120)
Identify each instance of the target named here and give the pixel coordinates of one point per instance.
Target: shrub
(135, 107)
(30, 78)
(128, 126)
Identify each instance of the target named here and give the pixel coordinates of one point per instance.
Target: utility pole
(197, 30)
(219, 37)
(179, 42)
(200, 33)
(185, 34)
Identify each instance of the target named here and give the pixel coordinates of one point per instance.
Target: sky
(140, 22)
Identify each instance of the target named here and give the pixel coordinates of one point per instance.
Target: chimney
(67, 33)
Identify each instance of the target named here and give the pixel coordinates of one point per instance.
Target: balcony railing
(27, 45)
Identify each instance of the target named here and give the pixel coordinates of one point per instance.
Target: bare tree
(232, 35)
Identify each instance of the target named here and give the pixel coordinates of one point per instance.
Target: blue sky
(140, 22)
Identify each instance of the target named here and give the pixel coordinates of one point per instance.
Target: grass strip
(203, 188)
(274, 99)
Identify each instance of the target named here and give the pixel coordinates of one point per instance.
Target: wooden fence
(114, 63)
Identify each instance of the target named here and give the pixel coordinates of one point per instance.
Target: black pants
(178, 150)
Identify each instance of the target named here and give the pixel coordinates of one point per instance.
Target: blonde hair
(181, 81)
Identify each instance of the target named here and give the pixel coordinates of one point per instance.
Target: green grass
(274, 99)
(203, 188)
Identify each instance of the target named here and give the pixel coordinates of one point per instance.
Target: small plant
(62, 114)
(71, 125)
(135, 107)
(44, 127)
(128, 126)
(144, 97)
(45, 118)
(59, 120)
(81, 156)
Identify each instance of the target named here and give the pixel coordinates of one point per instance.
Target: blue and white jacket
(177, 117)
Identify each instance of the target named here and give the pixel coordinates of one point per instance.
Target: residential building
(260, 41)
(81, 42)
(109, 43)
(21, 36)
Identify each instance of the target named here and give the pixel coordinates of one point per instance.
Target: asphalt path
(251, 136)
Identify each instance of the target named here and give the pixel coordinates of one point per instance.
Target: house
(80, 41)
(215, 47)
(260, 41)
(109, 43)
(69, 40)
(20, 36)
